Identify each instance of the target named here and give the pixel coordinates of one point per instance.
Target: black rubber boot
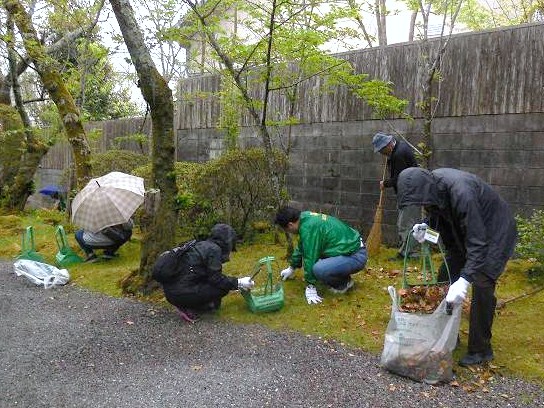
(475, 359)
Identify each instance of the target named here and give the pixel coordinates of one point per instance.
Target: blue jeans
(336, 271)
(109, 249)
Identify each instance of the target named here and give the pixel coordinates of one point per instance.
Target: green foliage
(377, 94)
(11, 148)
(285, 48)
(11, 137)
(231, 100)
(500, 13)
(235, 188)
(196, 215)
(141, 139)
(117, 160)
(238, 187)
(423, 155)
(531, 239)
(97, 85)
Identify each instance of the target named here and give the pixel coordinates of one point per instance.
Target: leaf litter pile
(421, 298)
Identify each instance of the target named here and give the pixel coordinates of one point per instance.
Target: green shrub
(238, 187)
(117, 160)
(531, 239)
(196, 215)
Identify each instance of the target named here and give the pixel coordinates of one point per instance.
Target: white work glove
(311, 295)
(418, 232)
(287, 273)
(245, 283)
(458, 291)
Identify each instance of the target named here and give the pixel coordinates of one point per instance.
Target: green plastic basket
(66, 255)
(420, 276)
(28, 248)
(427, 273)
(268, 297)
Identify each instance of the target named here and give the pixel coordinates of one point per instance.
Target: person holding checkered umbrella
(103, 209)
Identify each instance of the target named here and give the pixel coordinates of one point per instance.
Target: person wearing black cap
(191, 274)
(400, 156)
(479, 232)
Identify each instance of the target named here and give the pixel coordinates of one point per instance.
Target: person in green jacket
(328, 250)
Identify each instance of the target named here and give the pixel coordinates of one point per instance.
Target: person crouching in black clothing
(191, 274)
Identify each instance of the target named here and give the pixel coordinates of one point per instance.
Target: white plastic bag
(41, 273)
(420, 346)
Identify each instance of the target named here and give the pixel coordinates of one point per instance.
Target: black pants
(204, 297)
(482, 312)
(482, 307)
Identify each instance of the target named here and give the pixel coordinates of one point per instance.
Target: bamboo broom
(374, 239)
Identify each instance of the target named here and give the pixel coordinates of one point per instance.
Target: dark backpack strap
(166, 265)
(183, 247)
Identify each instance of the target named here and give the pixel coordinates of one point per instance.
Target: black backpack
(166, 265)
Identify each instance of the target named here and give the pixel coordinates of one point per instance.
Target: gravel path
(67, 347)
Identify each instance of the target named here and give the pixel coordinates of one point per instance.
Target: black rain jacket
(401, 158)
(476, 225)
(194, 274)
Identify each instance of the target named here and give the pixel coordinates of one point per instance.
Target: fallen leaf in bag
(421, 298)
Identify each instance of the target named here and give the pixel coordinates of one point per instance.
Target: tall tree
(159, 17)
(52, 81)
(432, 55)
(277, 46)
(160, 234)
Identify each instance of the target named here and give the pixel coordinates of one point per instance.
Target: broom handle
(383, 178)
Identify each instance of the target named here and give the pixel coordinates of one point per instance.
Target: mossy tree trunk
(32, 147)
(160, 231)
(52, 81)
(17, 170)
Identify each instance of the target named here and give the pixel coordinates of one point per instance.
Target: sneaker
(109, 256)
(187, 315)
(91, 258)
(475, 359)
(343, 288)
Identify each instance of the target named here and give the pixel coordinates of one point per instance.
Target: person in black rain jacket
(191, 274)
(479, 233)
(400, 156)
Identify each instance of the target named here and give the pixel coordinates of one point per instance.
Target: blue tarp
(51, 189)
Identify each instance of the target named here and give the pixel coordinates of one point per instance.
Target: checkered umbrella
(107, 200)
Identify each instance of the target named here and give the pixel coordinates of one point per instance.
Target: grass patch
(357, 319)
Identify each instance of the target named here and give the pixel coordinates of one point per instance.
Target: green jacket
(322, 236)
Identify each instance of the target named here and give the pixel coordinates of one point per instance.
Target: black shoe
(342, 288)
(91, 258)
(475, 359)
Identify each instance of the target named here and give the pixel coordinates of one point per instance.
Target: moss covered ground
(357, 319)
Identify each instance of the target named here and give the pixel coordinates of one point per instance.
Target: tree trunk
(380, 11)
(52, 81)
(412, 29)
(160, 233)
(32, 147)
